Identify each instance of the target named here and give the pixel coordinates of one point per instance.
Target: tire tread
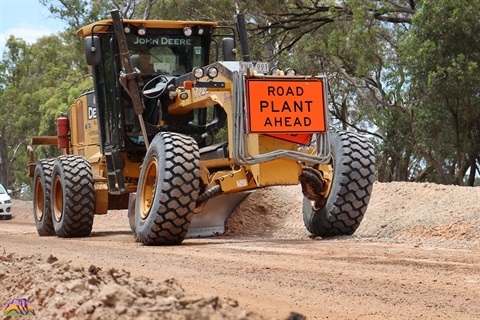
(355, 164)
(79, 206)
(179, 191)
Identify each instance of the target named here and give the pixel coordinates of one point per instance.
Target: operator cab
(160, 52)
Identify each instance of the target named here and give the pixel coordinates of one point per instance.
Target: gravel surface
(421, 214)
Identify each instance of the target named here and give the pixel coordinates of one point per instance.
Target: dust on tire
(73, 197)
(167, 190)
(353, 158)
(42, 211)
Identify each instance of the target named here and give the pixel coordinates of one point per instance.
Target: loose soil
(416, 255)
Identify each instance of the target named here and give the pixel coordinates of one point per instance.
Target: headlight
(187, 31)
(275, 71)
(142, 31)
(212, 72)
(290, 72)
(198, 72)
(184, 95)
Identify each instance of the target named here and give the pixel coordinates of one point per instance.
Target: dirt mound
(397, 210)
(272, 211)
(63, 292)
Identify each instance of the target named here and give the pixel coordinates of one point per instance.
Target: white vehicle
(5, 204)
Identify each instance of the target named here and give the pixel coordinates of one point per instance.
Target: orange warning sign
(286, 105)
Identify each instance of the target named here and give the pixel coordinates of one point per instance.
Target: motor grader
(179, 140)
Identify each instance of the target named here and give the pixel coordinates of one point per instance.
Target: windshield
(165, 54)
(2, 190)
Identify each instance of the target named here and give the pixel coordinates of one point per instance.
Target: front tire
(354, 169)
(42, 209)
(167, 190)
(73, 197)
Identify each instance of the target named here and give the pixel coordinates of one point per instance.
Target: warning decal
(286, 105)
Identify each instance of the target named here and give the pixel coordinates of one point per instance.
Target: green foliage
(443, 52)
(39, 81)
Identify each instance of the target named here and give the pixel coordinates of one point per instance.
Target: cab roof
(103, 25)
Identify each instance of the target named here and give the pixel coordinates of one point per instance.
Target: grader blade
(211, 220)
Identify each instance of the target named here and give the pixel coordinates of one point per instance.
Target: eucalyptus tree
(443, 55)
(13, 67)
(39, 82)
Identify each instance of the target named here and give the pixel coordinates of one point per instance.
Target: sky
(26, 19)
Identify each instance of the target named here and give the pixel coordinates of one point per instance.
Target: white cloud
(28, 33)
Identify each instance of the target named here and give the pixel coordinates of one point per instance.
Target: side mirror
(228, 49)
(9, 191)
(93, 50)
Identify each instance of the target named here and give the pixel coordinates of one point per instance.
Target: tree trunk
(3, 161)
(473, 170)
(148, 9)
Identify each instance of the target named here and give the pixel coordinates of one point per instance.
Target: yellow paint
(160, 24)
(84, 138)
(234, 181)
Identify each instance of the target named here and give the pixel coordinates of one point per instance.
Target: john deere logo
(19, 307)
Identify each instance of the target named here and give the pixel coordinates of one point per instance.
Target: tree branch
(304, 19)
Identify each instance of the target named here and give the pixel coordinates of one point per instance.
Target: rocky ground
(66, 292)
(420, 215)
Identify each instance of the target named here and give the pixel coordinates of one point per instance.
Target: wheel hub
(57, 199)
(148, 188)
(39, 200)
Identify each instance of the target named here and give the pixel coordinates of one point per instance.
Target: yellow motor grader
(180, 141)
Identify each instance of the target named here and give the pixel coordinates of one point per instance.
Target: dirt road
(366, 276)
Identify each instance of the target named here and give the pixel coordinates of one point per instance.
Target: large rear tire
(73, 197)
(42, 209)
(354, 170)
(167, 190)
